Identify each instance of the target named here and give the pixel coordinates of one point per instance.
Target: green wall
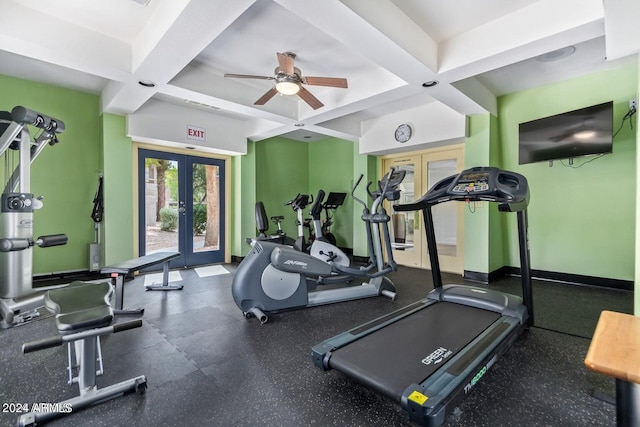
(66, 174)
(476, 221)
(243, 198)
(119, 210)
(581, 219)
(282, 171)
(330, 166)
(368, 167)
(275, 170)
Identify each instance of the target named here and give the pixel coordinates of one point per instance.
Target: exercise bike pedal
(330, 255)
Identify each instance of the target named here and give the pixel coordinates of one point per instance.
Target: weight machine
(18, 300)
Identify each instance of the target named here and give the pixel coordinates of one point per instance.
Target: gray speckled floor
(207, 365)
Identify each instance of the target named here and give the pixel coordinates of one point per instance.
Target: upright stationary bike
(322, 247)
(334, 201)
(273, 277)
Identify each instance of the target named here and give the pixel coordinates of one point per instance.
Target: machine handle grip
(10, 245)
(24, 115)
(42, 344)
(52, 240)
(125, 326)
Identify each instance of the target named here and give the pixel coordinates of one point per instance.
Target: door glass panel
(206, 207)
(403, 223)
(445, 219)
(161, 205)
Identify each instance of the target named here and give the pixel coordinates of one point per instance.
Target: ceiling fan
(289, 81)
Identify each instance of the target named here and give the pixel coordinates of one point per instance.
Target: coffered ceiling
(388, 50)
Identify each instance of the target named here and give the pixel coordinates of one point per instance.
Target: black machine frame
(431, 388)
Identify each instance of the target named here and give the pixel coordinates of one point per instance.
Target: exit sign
(196, 133)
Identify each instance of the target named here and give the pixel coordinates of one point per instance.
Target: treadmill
(428, 355)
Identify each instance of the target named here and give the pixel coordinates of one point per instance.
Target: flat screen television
(564, 136)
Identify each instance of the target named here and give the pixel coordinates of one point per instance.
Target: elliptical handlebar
(353, 191)
(392, 179)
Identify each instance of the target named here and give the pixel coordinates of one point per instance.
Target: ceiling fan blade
(309, 98)
(267, 96)
(285, 62)
(326, 81)
(249, 76)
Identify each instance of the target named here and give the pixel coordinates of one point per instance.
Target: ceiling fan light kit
(287, 87)
(289, 81)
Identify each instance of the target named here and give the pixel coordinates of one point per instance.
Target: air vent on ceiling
(200, 104)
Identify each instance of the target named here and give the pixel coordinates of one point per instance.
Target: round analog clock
(403, 133)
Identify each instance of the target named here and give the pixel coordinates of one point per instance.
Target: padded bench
(126, 268)
(83, 314)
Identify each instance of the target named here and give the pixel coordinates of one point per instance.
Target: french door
(406, 227)
(181, 206)
(409, 244)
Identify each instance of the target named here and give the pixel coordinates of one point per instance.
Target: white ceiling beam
(483, 97)
(382, 33)
(543, 26)
(197, 25)
(223, 104)
(622, 28)
(347, 25)
(386, 17)
(33, 34)
(335, 133)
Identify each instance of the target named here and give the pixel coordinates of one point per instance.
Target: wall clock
(403, 133)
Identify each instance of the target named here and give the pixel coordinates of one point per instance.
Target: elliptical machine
(18, 301)
(274, 278)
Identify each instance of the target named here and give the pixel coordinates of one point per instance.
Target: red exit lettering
(196, 133)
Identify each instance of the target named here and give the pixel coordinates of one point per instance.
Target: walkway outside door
(181, 206)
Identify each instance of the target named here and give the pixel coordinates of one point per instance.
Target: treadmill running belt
(411, 349)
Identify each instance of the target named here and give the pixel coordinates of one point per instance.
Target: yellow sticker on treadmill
(418, 397)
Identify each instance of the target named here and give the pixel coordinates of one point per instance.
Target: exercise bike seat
(80, 306)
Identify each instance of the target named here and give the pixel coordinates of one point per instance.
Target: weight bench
(120, 270)
(83, 314)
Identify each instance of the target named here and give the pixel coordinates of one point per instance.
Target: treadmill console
(471, 183)
(509, 189)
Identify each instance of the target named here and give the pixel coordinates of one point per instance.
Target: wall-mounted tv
(564, 136)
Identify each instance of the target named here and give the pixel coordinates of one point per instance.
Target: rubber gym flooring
(207, 365)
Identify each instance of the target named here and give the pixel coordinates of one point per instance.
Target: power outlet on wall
(633, 104)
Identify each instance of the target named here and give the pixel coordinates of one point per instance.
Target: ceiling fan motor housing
(282, 76)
